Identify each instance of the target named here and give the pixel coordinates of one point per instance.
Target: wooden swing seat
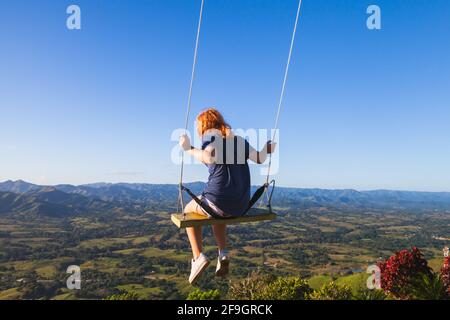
(194, 219)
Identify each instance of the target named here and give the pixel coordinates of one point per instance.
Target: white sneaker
(198, 266)
(223, 266)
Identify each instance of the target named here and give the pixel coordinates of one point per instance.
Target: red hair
(212, 119)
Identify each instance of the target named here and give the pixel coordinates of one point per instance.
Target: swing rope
(283, 87)
(280, 104)
(188, 110)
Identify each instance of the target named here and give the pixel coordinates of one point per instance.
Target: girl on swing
(227, 192)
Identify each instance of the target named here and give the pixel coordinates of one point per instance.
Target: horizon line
(191, 182)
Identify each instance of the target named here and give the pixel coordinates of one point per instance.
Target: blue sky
(363, 109)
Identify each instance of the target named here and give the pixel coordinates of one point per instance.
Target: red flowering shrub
(445, 274)
(400, 272)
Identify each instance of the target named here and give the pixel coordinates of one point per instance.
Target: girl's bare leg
(220, 232)
(195, 238)
(194, 233)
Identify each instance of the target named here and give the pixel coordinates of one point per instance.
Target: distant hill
(62, 200)
(352, 199)
(13, 203)
(18, 186)
(50, 201)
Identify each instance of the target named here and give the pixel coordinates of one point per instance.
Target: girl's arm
(206, 156)
(261, 156)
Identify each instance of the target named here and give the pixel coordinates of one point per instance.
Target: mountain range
(23, 198)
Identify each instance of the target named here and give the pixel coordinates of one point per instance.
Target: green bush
(285, 289)
(367, 294)
(198, 294)
(258, 286)
(251, 287)
(428, 287)
(332, 291)
(123, 296)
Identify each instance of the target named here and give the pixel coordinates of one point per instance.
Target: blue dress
(228, 186)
